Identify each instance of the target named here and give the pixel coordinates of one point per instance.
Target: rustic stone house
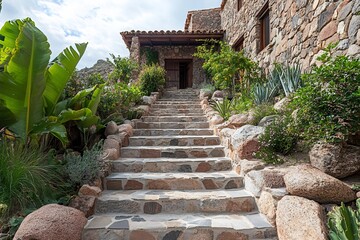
(268, 30)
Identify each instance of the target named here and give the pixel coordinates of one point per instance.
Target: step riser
(177, 106)
(203, 233)
(204, 152)
(172, 132)
(173, 184)
(159, 112)
(166, 141)
(174, 119)
(230, 205)
(168, 114)
(171, 125)
(164, 167)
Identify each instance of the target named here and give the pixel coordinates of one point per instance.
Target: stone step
(172, 151)
(199, 118)
(171, 125)
(251, 226)
(172, 132)
(176, 102)
(167, 165)
(175, 111)
(173, 181)
(177, 106)
(174, 114)
(162, 201)
(174, 140)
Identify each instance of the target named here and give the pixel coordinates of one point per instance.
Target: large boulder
(237, 121)
(256, 181)
(215, 120)
(218, 94)
(111, 128)
(126, 128)
(245, 141)
(281, 105)
(148, 100)
(52, 222)
(267, 205)
(300, 218)
(266, 121)
(309, 182)
(337, 160)
(205, 93)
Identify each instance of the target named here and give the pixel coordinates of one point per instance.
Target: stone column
(135, 55)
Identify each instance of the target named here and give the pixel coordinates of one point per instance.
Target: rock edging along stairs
(174, 182)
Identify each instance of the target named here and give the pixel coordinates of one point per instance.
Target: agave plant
(223, 107)
(265, 93)
(30, 85)
(344, 223)
(290, 78)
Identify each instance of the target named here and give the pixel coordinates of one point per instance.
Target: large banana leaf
(95, 98)
(23, 81)
(59, 73)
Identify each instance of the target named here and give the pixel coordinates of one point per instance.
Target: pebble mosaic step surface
(172, 151)
(174, 140)
(179, 226)
(172, 132)
(172, 125)
(162, 201)
(199, 118)
(166, 165)
(173, 182)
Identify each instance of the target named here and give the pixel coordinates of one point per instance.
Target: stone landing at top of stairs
(173, 182)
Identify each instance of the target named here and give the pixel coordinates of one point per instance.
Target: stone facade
(299, 29)
(207, 19)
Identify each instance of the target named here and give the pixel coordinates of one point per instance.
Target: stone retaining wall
(299, 29)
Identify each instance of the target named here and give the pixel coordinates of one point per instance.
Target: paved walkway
(173, 182)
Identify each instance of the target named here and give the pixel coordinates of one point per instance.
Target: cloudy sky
(100, 22)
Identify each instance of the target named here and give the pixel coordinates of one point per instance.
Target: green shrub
(329, 104)
(117, 100)
(123, 69)
(262, 111)
(278, 138)
(26, 177)
(82, 169)
(223, 107)
(344, 223)
(242, 103)
(228, 68)
(152, 78)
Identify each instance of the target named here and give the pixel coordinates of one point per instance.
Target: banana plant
(30, 85)
(344, 223)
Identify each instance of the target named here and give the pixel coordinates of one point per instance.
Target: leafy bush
(207, 87)
(117, 101)
(151, 56)
(123, 69)
(152, 78)
(278, 137)
(344, 223)
(329, 104)
(26, 177)
(223, 107)
(82, 169)
(261, 111)
(242, 103)
(227, 67)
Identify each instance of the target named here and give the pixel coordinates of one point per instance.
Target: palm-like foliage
(223, 107)
(30, 86)
(344, 223)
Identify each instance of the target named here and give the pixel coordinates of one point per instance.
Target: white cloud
(66, 22)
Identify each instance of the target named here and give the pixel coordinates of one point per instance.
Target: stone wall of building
(300, 29)
(178, 53)
(203, 20)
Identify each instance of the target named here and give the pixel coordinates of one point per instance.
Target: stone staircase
(173, 182)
